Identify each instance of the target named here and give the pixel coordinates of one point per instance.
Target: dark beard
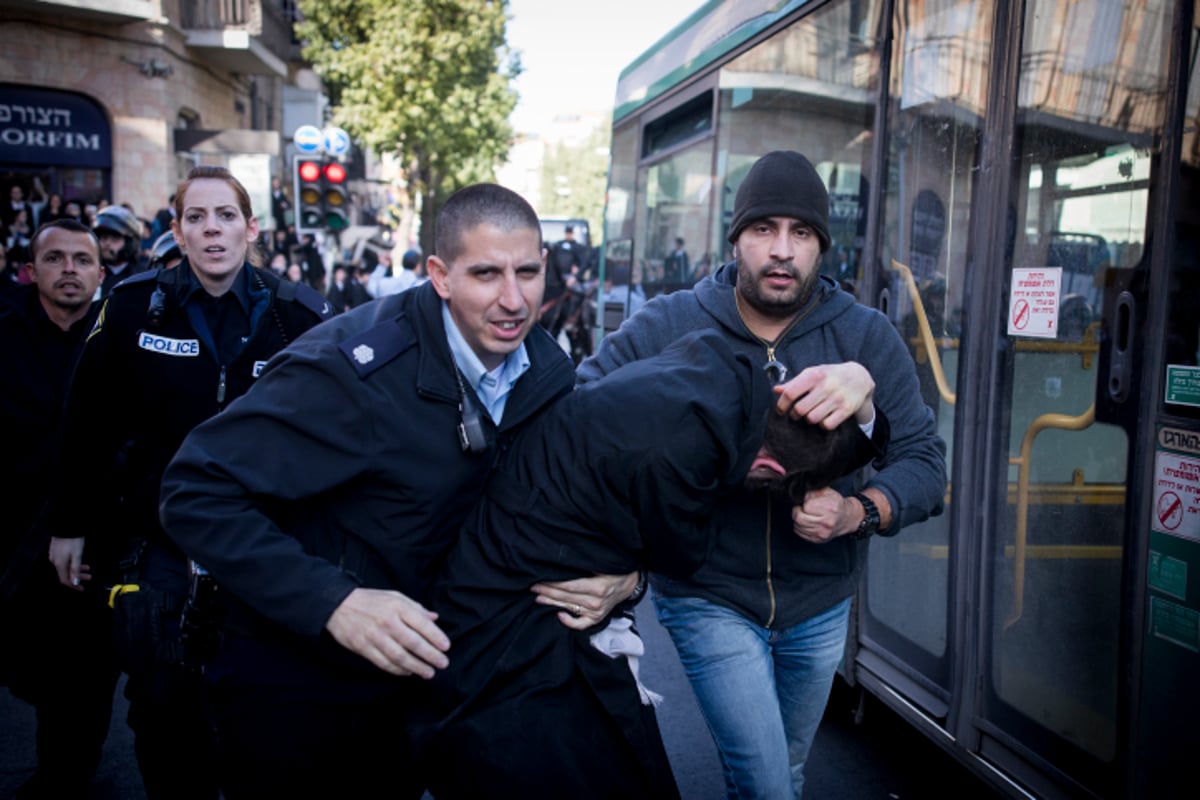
(778, 307)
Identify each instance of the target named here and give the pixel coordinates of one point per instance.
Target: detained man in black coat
(620, 475)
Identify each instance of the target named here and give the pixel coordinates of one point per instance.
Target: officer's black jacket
(140, 386)
(342, 467)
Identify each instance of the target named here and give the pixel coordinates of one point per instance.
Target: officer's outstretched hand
(67, 557)
(829, 394)
(392, 631)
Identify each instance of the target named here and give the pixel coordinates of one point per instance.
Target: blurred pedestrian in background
(346, 291)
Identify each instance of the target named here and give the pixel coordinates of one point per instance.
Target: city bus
(1016, 185)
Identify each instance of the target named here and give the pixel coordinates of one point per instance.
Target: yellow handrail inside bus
(1087, 348)
(935, 358)
(1044, 422)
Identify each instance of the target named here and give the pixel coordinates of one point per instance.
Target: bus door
(1166, 736)
(1016, 249)
(1060, 555)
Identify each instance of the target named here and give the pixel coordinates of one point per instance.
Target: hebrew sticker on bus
(1176, 508)
(1033, 300)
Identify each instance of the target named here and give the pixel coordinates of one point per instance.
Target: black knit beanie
(782, 183)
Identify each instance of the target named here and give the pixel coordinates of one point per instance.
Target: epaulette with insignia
(375, 347)
(306, 296)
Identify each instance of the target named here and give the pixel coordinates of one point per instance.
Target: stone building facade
(114, 100)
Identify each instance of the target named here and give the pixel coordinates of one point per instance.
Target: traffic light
(310, 209)
(337, 201)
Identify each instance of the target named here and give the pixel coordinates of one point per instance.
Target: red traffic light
(335, 173)
(309, 171)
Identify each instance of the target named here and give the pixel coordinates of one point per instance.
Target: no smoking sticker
(1176, 507)
(1033, 302)
(1170, 510)
(1020, 315)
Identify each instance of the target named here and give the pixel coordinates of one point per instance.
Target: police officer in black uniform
(57, 643)
(170, 348)
(328, 545)
(120, 234)
(165, 253)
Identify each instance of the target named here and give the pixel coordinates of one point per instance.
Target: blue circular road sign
(337, 141)
(307, 139)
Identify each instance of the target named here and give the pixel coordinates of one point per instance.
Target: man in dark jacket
(57, 652)
(761, 626)
(381, 427)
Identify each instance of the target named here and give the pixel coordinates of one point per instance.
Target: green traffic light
(336, 221)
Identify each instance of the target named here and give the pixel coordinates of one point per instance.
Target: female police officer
(170, 348)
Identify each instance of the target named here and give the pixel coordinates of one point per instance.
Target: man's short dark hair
(474, 205)
(66, 224)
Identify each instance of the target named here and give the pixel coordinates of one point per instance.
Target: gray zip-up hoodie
(758, 566)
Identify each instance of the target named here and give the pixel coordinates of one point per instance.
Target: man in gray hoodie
(761, 626)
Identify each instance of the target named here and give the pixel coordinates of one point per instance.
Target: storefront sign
(254, 172)
(45, 126)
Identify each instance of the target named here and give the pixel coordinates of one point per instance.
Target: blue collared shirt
(493, 387)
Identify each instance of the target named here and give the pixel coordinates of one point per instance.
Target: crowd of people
(131, 244)
(335, 531)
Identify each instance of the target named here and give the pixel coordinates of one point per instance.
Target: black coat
(342, 468)
(141, 386)
(619, 476)
(56, 642)
(36, 359)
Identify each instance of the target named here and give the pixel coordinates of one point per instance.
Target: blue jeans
(762, 691)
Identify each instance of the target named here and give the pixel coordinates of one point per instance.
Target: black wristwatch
(870, 521)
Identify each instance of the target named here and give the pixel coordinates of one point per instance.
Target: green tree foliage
(428, 80)
(574, 179)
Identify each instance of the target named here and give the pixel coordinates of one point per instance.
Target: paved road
(881, 759)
